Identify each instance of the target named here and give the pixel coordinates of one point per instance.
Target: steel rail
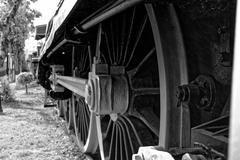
(111, 11)
(76, 85)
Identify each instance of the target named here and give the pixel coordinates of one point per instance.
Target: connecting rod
(76, 85)
(103, 92)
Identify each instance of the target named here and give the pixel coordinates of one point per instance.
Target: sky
(47, 8)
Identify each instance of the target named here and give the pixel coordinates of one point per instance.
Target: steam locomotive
(134, 73)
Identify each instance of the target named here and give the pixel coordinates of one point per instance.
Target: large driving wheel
(144, 51)
(68, 114)
(84, 120)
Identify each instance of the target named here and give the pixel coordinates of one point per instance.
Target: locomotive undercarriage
(130, 82)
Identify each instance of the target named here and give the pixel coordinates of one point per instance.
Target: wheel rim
(120, 135)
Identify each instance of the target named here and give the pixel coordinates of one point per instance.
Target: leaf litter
(30, 132)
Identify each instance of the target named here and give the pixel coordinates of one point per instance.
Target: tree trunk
(1, 110)
(20, 67)
(26, 87)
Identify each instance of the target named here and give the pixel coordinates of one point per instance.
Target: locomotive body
(132, 73)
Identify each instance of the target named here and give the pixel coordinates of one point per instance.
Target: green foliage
(15, 28)
(6, 91)
(25, 78)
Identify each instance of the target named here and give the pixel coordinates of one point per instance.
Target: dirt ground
(30, 132)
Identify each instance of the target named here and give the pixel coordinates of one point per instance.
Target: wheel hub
(107, 90)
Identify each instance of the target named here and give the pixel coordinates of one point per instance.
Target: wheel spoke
(111, 153)
(99, 39)
(134, 130)
(85, 59)
(132, 72)
(108, 47)
(86, 120)
(117, 148)
(83, 123)
(149, 118)
(122, 39)
(110, 123)
(120, 141)
(129, 36)
(89, 55)
(81, 61)
(128, 134)
(137, 39)
(124, 140)
(81, 119)
(117, 44)
(113, 44)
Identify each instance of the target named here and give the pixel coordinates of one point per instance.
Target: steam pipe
(107, 13)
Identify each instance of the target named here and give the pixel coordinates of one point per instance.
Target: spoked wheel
(84, 120)
(60, 108)
(85, 126)
(68, 114)
(146, 64)
(68, 117)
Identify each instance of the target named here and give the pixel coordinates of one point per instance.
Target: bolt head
(114, 117)
(179, 93)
